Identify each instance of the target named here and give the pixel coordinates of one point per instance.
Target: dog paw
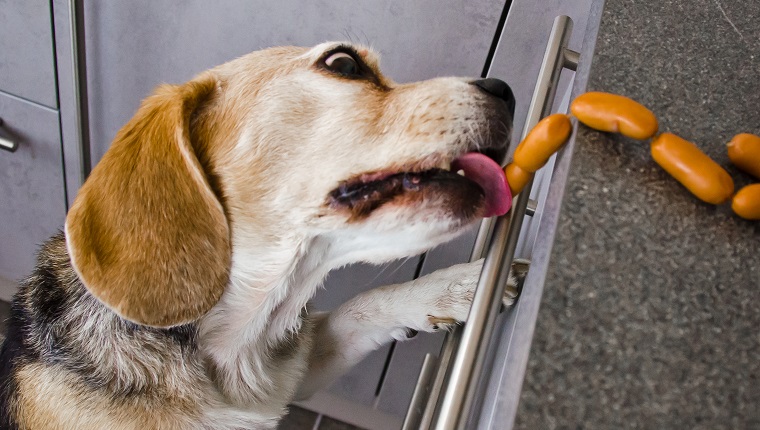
(516, 279)
(452, 290)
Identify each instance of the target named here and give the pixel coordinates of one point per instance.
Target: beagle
(177, 295)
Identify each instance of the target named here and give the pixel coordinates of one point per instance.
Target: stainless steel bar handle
(416, 405)
(77, 84)
(464, 351)
(6, 142)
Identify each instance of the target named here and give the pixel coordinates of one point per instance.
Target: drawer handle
(6, 142)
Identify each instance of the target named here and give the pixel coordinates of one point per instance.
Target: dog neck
(262, 309)
(261, 312)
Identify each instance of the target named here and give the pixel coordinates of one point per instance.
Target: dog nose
(498, 88)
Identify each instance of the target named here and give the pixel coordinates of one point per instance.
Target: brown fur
(166, 261)
(46, 394)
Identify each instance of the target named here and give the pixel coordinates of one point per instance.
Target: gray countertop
(651, 311)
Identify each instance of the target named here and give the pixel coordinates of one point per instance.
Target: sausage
(692, 168)
(516, 178)
(615, 114)
(544, 140)
(746, 203)
(744, 152)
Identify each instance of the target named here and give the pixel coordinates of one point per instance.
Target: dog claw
(520, 268)
(514, 287)
(437, 322)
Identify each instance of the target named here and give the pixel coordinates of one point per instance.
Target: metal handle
(416, 406)
(79, 86)
(6, 142)
(463, 352)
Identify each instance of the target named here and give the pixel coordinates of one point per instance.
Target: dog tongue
(490, 176)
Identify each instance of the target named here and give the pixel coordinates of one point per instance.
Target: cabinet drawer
(27, 67)
(32, 194)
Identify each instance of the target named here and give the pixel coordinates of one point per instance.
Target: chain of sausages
(683, 160)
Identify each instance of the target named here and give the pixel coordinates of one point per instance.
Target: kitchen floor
(649, 317)
(297, 419)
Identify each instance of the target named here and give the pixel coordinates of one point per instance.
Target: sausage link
(744, 152)
(746, 203)
(516, 178)
(543, 140)
(692, 168)
(615, 114)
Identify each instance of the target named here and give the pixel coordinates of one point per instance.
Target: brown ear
(146, 234)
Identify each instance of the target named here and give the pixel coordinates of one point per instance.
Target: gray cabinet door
(133, 46)
(32, 195)
(27, 67)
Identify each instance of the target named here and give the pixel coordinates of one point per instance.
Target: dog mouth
(473, 182)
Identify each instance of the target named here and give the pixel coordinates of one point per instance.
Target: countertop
(651, 311)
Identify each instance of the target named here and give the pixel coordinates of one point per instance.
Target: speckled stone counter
(651, 312)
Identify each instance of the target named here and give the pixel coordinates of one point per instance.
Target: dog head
(270, 151)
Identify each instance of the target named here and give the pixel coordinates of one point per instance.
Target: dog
(176, 296)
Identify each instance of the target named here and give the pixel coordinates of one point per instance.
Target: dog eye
(343, 63)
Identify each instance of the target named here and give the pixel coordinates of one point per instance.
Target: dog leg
(434, 302)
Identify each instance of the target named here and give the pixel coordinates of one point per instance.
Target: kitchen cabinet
(31, 185)
(27, 65)
(32, 179)
(126, 48)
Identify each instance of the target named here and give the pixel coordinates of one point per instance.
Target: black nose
(498, 88)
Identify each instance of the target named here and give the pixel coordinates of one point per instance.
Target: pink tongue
(490, 176)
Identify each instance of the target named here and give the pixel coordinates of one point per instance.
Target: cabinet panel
(134, 46)
(518, 57)
(31, 185)
(360, 383)
(27, 67)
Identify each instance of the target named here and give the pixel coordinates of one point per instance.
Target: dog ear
(146, 234)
